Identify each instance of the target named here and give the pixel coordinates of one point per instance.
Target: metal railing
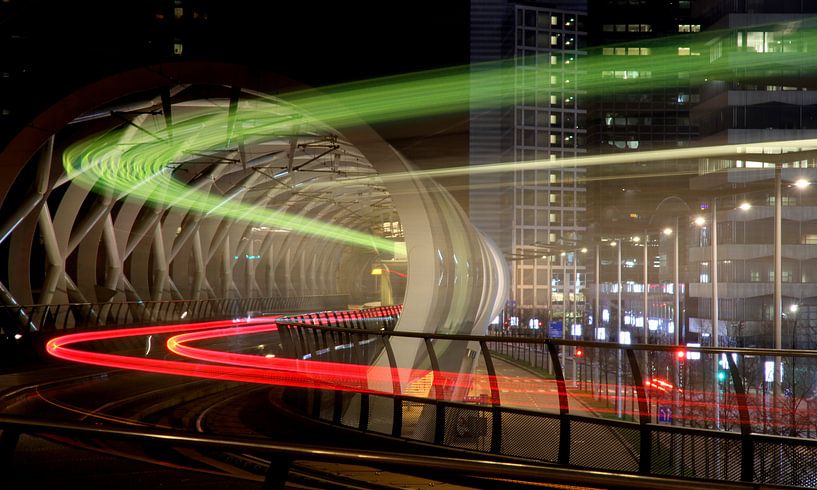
(714, 430)
(285, 453)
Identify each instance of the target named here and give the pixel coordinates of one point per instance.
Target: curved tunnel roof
(186, 181)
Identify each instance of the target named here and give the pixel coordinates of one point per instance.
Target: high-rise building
(535, 216)
(628, 203)
(767, 97)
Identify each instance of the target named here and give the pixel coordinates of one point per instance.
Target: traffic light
(721, 375)
(579, 352)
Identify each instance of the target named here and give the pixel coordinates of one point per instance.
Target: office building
(535, 216)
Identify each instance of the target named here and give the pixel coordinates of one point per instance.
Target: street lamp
(800, 183)
(793, 308)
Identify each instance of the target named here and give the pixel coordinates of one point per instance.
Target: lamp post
(677, 207)
(596, 310)
(676, 320)
(619, 399)
(793, 308)
(778, 269)
(700, 221)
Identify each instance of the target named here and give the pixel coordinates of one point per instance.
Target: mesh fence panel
(381, 414)
(598, 445)
(666, 455)
(327, 405)
(785, 463)
(418, 421)
(468, 428)
(351, 410)
(530, 436)
(696, 455)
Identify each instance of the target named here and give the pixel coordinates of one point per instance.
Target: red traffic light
(579, 352)
(681, 354)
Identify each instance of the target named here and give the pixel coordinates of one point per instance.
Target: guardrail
(285, 453)
(714, 430)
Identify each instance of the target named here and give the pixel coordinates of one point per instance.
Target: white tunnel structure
(66, 242)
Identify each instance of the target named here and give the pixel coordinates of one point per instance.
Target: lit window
(553, 59)
(607, 51)
(633, 28)
(633, 51)
(646, 28)
(178, 48)
(621, 51)
(553, 100)
(554, 20)
(683, 27)
(553, 40)
(552, 178)
(553, 141)
(607, 27)
(696, 27)
(621, 27)
(683, 51)
(646, 51)
(554, 119)
(178, 12)
(755, 41)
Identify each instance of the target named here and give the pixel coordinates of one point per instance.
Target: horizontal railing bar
(581, 343)
(472, 467)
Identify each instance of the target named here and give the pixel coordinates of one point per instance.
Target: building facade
(773, 100)
(535, 216)
(633, 205)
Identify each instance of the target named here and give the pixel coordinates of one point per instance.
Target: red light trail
(303, 373)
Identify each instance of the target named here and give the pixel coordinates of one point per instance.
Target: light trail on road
(521, 392)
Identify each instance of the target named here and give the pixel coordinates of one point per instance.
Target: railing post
(439, 414)
(747, 447)
(496, 404)
(397, 418)
(645, 454)
(564, 408)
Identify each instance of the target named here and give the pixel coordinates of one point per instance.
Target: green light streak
(141, 169)
(112, 163)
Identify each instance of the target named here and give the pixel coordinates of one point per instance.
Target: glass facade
(549, 205)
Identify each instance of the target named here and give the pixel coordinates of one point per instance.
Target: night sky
(50, 47)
